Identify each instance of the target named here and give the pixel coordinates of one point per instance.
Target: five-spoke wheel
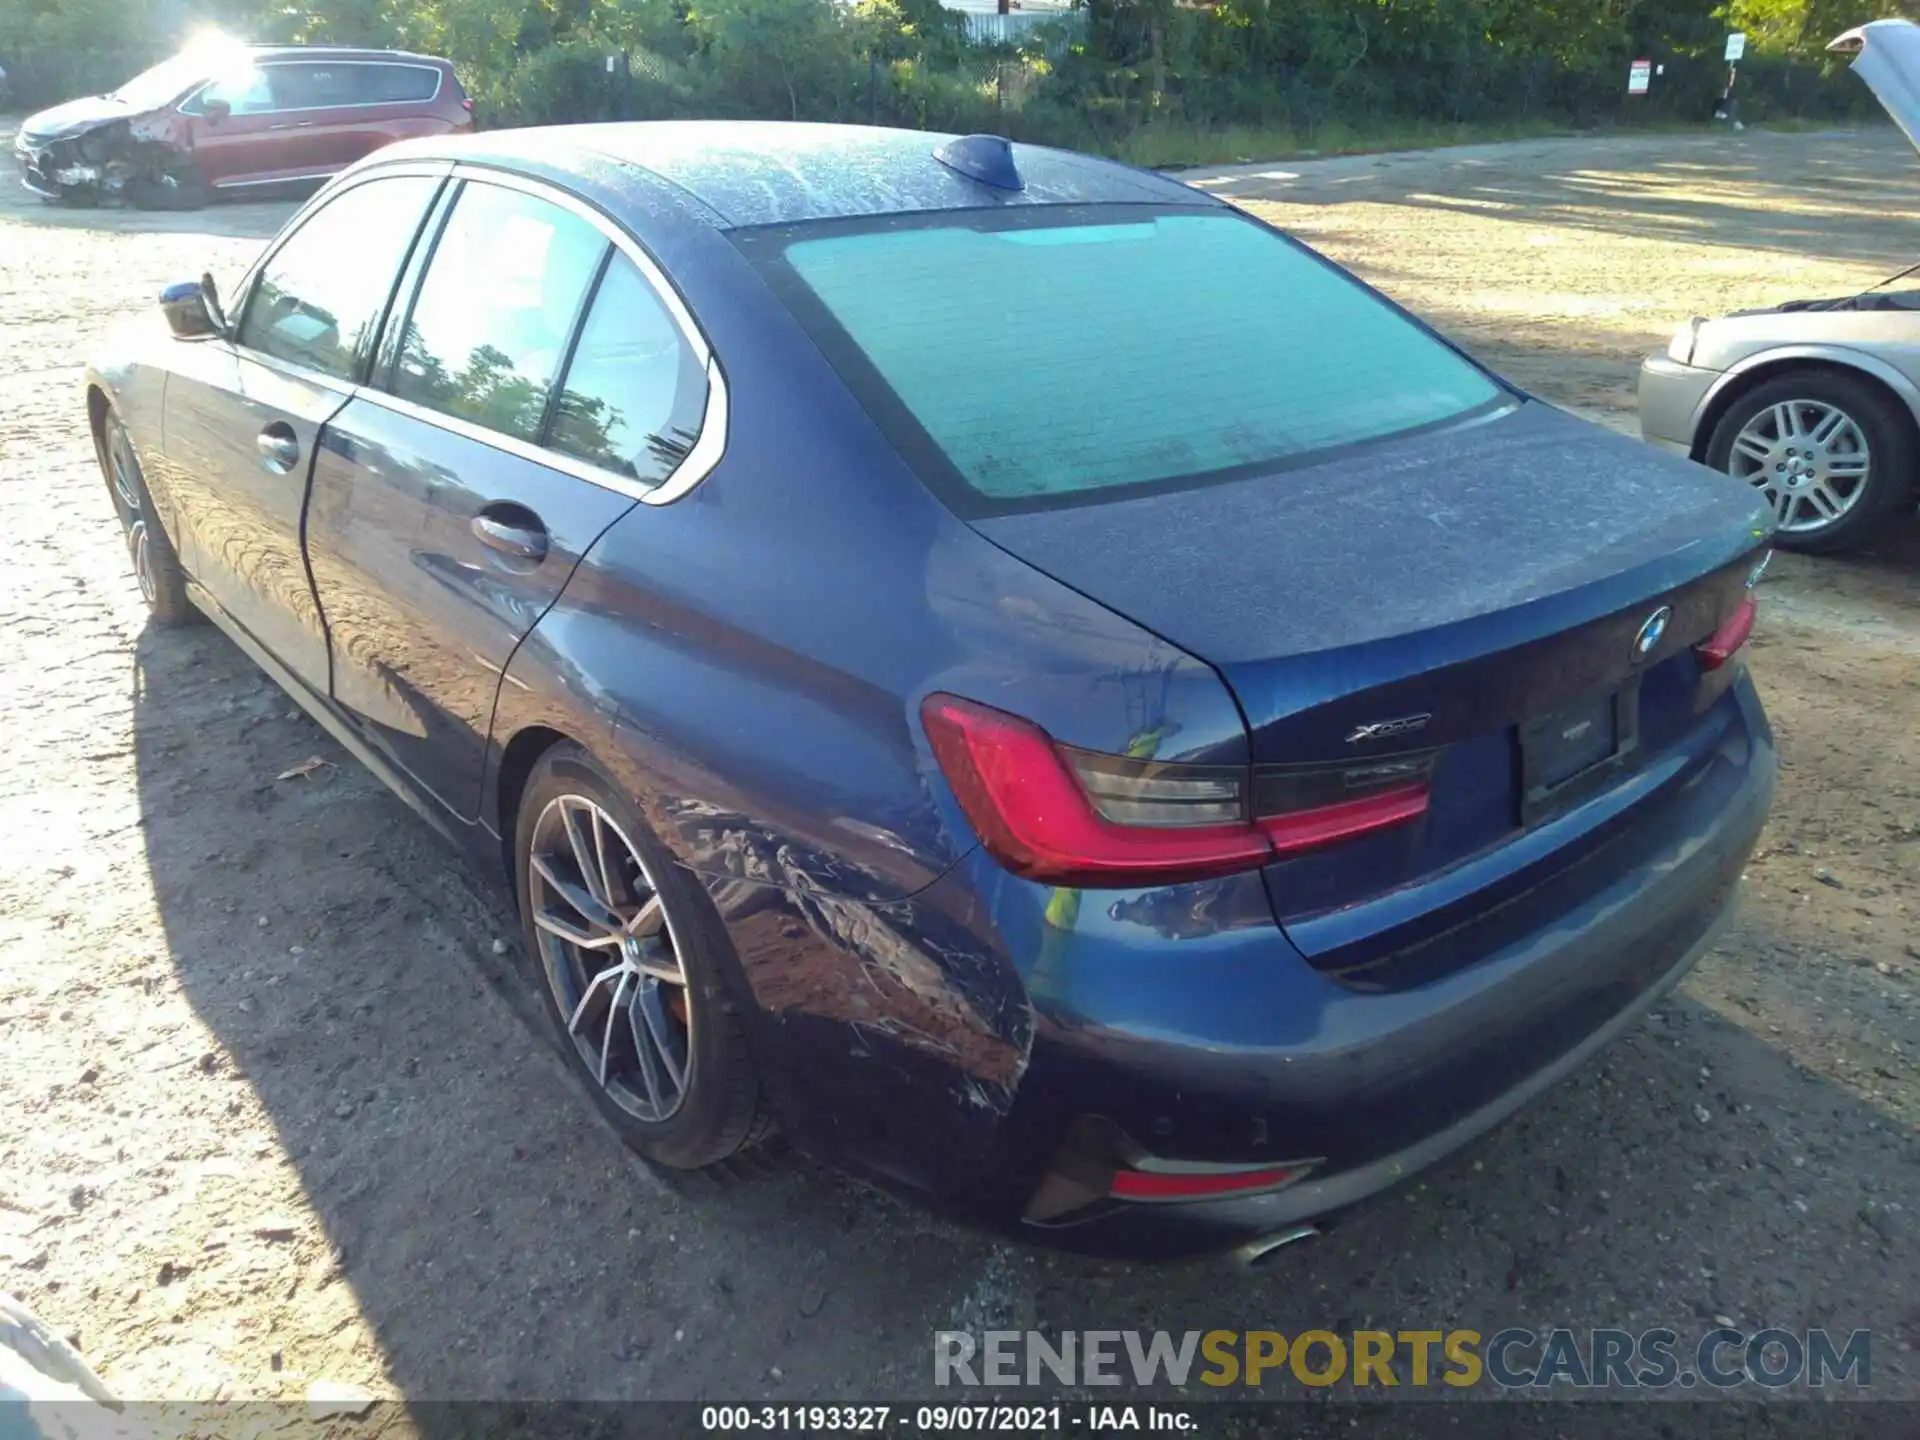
(610, 958)
(155, 566)
(640, 980)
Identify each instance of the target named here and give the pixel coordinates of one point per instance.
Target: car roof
(768, 172)
(337, 52)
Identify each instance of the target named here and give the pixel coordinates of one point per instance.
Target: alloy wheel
(609, 956)
(1808, 458)
(126, 495)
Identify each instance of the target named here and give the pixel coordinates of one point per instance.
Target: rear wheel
(1831, 455)
(163, 585)
(631, 970)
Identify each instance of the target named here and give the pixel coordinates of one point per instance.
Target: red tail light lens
(1164, 1185)
(1720, 647)
(1076, 817)
(466, 104)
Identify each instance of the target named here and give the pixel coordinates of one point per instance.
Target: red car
(237, 119)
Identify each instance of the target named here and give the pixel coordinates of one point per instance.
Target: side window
(635, 392)
(319, 298)
(395, 84)
(313, 87)
(246, 92)
(489, 327)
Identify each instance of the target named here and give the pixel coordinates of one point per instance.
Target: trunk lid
(1479, 592)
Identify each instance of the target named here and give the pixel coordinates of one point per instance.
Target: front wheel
(1831, 455)
(163, 584)
(632, 970)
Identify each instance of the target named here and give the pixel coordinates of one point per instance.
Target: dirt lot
(274, 1111)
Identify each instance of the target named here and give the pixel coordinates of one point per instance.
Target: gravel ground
(275, 1112)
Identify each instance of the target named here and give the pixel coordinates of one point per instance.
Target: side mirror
(216, 109)
(193, 309)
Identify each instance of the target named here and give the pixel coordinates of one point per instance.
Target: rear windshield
(1045, 356)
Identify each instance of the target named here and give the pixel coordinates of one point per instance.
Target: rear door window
(305, 86)
(319, 299)
(488, 332)
(634, 392)
(1039, 356)
(395, 84)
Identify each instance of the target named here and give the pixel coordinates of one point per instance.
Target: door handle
(512, 530)
(278, 447)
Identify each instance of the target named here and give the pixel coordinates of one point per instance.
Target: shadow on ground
(1852, 198)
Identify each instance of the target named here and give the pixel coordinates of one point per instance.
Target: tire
(718, 1111)
(156, 566)
(1855, 453)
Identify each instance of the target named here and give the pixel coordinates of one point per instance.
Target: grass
(1172, 146)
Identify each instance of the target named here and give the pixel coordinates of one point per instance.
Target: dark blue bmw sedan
(994, 665)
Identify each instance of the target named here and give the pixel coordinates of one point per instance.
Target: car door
(238, 132)
(325, 104)
(535, 387)
(242, 414)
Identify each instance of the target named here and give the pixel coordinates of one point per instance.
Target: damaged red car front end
(242, 119)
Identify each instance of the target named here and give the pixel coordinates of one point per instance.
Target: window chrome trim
(708, 446)
(510, 445)
(439, 84)
(656, 278)
(276, 180)
(293, 370)
(318, 201)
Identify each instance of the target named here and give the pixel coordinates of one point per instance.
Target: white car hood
(1886, 55)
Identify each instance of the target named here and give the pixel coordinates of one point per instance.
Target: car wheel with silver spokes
(1810, 459)
(609, 957)
(155, 566)
(635, 968)
(1830, 454)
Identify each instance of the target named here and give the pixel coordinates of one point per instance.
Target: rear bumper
(1381, 1085)
(1671, 398)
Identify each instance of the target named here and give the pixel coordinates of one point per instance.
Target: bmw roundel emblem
(1651, 632)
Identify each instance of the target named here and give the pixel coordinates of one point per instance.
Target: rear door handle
(279, 448)
(512, 530)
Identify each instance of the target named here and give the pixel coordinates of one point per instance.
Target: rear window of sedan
(1043, 356)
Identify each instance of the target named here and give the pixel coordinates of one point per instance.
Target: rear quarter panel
(749, 661)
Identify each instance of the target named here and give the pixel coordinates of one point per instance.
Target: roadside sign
(1736, 46)
(1639, 76)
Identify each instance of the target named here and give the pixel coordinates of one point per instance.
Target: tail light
(1721, 646)
(1201, 1182)
(1068, 816)
(466, 103)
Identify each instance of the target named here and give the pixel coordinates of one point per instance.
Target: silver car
(1816, 403)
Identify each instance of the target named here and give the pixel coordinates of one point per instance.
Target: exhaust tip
(1255, 1252)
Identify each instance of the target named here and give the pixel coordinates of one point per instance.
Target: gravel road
(275, 1110)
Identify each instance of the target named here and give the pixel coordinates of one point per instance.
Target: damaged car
(236, 119)
(1142, 827)
(1815, 403)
